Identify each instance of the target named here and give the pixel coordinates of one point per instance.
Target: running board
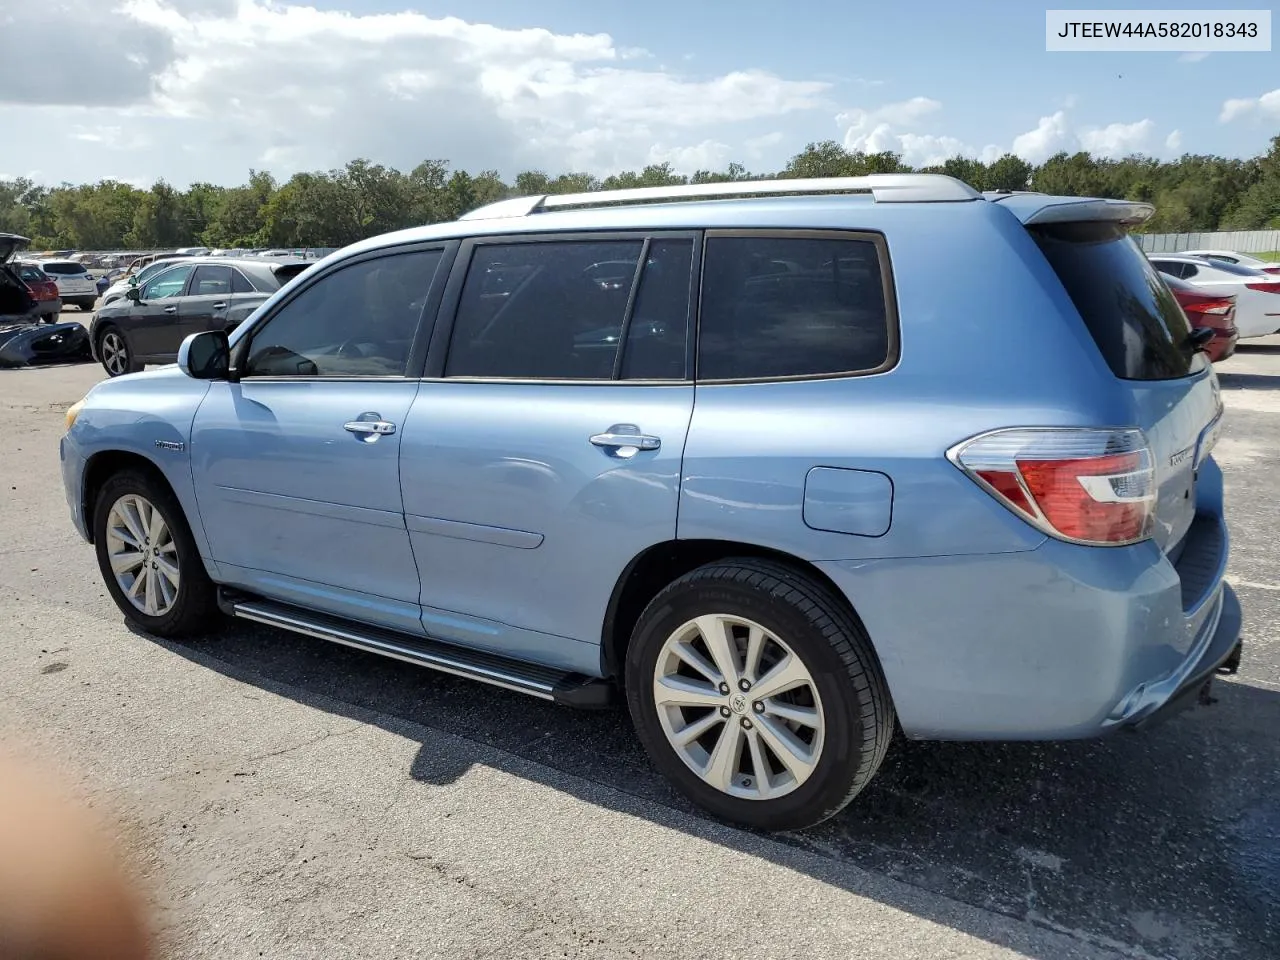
(568, 689)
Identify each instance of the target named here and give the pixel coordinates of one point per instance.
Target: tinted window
(1236, 269)
(657, 332)
(211, 281)
(167, 284)
(240, 283)
(1219, 257)
(358, 321)
(1170, 268)
(546, 310)
(63, 269)
(1131, 313)
(34, 274)
(787, 307)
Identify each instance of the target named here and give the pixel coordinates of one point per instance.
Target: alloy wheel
(739, 707)
(143, 555)
(115, 354)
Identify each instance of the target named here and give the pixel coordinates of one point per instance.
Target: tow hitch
(1227, 667)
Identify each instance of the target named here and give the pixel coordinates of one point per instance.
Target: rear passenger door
(542, 453)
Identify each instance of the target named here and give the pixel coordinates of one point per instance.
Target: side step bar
(568, 689)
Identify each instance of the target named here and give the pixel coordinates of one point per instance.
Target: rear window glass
(775, 306)
(1137, 324)
(1236, 269)
(64, 269)
(32, 273)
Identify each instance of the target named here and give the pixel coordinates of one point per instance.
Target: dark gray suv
(196, 294)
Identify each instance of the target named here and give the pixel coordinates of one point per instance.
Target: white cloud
(1055, 133)
(707, 155)
(889, 128)
(1268, 105)
(1050, 135)
(1117, 139)
(260, 83)
(1174, 141)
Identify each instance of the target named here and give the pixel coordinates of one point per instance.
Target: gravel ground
(282, 797)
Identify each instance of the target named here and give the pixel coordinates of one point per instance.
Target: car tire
(115, 354)
(86, 306)
(172, 593)
(835, 726)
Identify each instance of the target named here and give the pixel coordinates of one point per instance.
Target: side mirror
(133, 294)
(205, 356)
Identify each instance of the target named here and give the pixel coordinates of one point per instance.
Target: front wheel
(113, 350)
(149, 559)
(758, 695)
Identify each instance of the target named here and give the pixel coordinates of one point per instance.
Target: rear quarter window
(1131, 314)
(794, 305)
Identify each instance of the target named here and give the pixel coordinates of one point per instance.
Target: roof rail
(884, 187)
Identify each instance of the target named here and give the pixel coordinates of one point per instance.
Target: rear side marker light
(1082, 485)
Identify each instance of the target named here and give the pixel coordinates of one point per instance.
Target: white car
(1230, 256)
(75, 283)
(1257, 293)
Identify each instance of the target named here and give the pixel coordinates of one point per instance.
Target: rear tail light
(1084, 485)
(1216, 307)
(1265, 287)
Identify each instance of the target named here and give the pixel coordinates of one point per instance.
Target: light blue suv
(794, 468)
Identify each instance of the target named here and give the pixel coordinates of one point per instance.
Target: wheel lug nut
(724, 689)
(744, 684)
(758, 706)
(746, 724)
(724, 711)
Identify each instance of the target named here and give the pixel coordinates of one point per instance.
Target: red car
(1211, 310)
(44, 290)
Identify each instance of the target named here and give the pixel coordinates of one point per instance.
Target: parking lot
(285, 797)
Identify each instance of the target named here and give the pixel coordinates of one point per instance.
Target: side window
(169, 283)
(1187, 270)
(240, 283)
(358, 321)
(211, 281)
(791, 307)
(543, 310)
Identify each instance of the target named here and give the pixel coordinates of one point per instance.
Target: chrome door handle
(623, 436)
(219, 306)
(369, 426)
(170, 309)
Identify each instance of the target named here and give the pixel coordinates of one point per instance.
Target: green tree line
(337, 207)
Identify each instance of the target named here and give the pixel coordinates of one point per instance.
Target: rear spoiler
(1035, 209)
(288, 270)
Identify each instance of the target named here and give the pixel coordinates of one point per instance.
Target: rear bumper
(1221, 655)
(1061, 642)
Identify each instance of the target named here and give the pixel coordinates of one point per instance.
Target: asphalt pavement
(283, 797)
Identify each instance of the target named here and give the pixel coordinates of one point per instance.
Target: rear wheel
(113, 350)
(149, 559)
(758, 695)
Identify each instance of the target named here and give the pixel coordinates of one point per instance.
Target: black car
(196, 294)
(24, 340)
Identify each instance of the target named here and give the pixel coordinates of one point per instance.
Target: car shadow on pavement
(1166, 840)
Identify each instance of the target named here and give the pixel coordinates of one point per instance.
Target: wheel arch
(658, 565)
(105, 464)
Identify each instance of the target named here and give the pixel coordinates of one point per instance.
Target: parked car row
(29, 307)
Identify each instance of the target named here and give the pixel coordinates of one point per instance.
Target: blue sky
(204, 89)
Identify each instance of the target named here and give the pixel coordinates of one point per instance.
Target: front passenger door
(297, 465)
(155, 313)
(204, 307)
